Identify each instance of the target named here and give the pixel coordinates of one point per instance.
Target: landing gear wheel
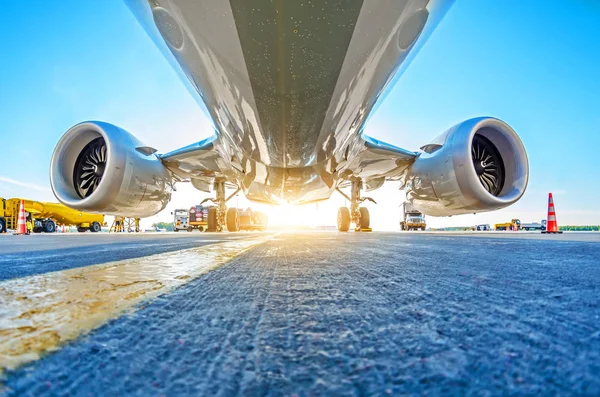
(50, 226)
(233, 220)
(365, 218)
(189, 229)
(95, 227)
(343, 219)
(212, 219)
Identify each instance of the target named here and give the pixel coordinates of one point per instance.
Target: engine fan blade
(488, 164)
(89, 167)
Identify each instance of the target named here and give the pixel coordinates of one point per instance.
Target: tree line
(580, 228)
(163, 225)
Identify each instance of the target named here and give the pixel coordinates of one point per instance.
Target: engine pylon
(551, 224)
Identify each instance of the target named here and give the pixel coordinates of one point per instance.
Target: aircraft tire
(343, 219)
(212, 219)
(233, 220)
(365, 218)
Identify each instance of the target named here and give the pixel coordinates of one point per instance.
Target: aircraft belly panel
(294, 52)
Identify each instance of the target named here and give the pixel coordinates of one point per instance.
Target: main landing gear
(356, 214)
(219, 216)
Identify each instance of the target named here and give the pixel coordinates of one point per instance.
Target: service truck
(180, 219)
(194, 218)
(412, 219)
(534, 225)
(197, 218)
(514, 224)
(47, 216)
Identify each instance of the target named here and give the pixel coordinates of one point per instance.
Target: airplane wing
(379, 161)
(376, 162)
(199, 163)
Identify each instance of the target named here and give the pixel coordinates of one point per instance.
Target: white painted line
(39, 313)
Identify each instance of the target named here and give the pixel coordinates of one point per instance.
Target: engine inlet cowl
(98, 167)
(478, 165)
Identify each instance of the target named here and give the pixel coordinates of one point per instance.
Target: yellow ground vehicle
(46, 216)
(513, 224)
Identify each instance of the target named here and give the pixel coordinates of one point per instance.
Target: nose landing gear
(356, 214)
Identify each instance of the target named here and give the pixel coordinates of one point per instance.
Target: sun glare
(293, 215)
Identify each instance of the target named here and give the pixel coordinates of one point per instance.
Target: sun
(293, 215)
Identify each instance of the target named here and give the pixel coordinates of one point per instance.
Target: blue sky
(534, 67)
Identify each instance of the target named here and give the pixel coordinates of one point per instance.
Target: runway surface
(40, 253)
(348, 314)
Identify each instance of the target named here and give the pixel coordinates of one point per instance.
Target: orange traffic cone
(21, 225)
(551, 224)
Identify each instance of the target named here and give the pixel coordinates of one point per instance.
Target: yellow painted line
(39, 313)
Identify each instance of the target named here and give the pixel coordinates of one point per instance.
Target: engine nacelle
(477, 165)
(98, 167)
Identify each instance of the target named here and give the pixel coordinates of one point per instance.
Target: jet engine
(98, 167)
(477, 165)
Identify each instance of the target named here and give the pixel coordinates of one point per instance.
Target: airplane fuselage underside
(287, 84)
